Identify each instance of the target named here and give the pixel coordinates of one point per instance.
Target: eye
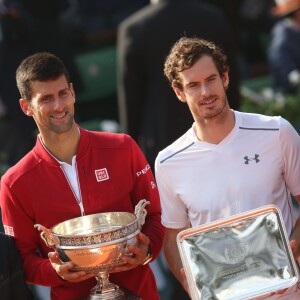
(211, 79)
(192, 85)
(46, 98)
(64, 93)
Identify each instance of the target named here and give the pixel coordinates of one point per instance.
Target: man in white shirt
(228, 162)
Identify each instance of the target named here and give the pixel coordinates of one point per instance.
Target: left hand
(296, 252)
(295, 249)
(139, 251)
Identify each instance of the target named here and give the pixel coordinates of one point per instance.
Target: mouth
(59, 116)
(208, 101)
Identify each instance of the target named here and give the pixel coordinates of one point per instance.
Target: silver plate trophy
(95, 243)
(246, 256)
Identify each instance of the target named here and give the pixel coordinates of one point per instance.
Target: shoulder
(138, 18)
(180, 145)
(281, 31)
(252, 121)
(24, 166)
(110, 140)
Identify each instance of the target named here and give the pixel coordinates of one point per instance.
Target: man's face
(203, 89)
(51, 105)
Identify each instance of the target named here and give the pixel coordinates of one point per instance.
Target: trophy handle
(47, 236)
(141, 212)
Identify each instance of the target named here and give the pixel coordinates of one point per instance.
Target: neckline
(225, 141)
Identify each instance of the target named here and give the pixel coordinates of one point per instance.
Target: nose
(58, 103)
(204, 90)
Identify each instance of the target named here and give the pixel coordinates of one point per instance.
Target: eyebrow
(196, 82)
(51, 94)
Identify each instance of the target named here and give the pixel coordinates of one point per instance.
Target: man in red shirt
(73, 172)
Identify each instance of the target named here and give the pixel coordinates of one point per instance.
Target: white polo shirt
(257, 164)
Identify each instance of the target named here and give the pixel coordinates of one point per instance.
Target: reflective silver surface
(239, 258)
(95, 243)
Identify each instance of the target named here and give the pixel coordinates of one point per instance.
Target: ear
(25, 107)
(180, 94)
(225, 79)
(72, 91)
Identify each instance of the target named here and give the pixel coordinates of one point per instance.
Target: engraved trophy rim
(101, 234)
(134, 219)
(95, 243)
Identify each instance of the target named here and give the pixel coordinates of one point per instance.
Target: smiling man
(73, 172)
(228, 162)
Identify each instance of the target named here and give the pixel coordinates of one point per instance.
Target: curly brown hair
(184, 54)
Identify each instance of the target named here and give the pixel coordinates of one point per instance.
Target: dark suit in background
(12, 282)
(147, 104)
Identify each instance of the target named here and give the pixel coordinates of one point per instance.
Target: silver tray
(246, 256)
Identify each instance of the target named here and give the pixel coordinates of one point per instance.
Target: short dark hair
(42, 66)
(184, 54)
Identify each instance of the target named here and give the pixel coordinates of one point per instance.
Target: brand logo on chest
(101, 174)
(248, 159)
(8, 230)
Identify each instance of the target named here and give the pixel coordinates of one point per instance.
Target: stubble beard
(216, 113)
(63, 128)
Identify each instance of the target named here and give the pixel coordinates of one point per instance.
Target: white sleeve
(174, 211)
(290, 151)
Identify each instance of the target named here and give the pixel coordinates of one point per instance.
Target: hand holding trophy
(96, 243)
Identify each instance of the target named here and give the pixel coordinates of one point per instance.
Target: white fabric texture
(257, 164)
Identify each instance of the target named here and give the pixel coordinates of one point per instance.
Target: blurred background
(107, 48)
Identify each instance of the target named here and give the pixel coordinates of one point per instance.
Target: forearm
(156, 233)
(295, 236)
(172, 254)
(35, 268)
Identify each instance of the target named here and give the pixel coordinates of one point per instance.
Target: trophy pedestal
(123, 295)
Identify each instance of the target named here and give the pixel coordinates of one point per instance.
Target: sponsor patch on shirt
(9, 230)
(144, 171)
(101, 174)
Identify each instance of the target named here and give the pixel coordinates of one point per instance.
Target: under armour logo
(247, 159)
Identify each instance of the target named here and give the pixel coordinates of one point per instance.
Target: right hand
(63, 269)
(184, 281)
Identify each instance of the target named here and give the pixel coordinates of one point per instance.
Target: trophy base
(120, 294)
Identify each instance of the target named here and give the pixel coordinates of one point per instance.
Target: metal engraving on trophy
(95, 243)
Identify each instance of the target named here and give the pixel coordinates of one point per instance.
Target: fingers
(295, 249)
(139, 250)
(63, 270)
(139, 253)
(293, 244)
(184, 281)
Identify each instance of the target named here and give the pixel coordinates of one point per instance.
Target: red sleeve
(145, 187)
(18, 224)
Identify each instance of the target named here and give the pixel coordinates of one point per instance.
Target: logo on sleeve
(101, 174)
(9, 230)
(143, 172)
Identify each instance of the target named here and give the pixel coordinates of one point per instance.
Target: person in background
(283, 52)
(28, 26)
(228, 162)
(12, 281)
(73, 172)
(147, 105)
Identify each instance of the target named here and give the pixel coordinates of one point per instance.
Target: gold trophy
(95, 243)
